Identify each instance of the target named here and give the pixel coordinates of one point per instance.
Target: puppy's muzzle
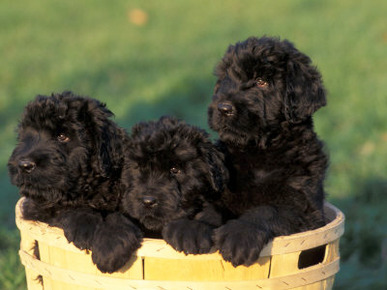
(26, 165)
(226, 109)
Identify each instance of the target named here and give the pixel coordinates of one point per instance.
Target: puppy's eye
(174, 170)
(63, 138)
(261, 83)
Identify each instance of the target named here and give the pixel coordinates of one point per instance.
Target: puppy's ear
(217, 171)
(106, 136)
(305, 92)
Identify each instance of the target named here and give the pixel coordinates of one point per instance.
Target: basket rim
(332, 231)
(302, 278)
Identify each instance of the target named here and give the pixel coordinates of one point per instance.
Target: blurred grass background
(149, 58)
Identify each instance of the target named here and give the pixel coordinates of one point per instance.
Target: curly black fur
(172, 173)
(68, 164)
(265, 95)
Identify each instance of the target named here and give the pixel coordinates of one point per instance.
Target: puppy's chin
(42, 194)
(152, 223)
(227, 133)
(232, 137)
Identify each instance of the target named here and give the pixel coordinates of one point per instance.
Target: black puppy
(68, 165)
(172, 173)
(265, 95)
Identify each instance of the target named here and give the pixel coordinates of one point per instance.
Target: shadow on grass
(363, 248)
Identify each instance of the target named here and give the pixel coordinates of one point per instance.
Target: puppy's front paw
(79, 227)
(239, 243)
(189, 236)
(115, 241)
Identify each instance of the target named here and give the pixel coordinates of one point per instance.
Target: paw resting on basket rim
(79, 226)
(240, 242)
(189, 236)
(115, 242)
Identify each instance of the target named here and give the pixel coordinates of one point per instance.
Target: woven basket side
(304, 277)
(157, 265)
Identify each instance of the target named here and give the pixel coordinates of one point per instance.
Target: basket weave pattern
(157, 266)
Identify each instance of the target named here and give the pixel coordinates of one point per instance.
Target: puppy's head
(261, 83)
(170, 169)
(61, 140)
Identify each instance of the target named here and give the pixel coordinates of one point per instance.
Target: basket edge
(159, 248)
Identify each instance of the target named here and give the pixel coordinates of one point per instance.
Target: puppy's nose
(149, 201)
(225, 108)
(27, 165)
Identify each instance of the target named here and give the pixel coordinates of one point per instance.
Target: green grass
(11, 271)
(165, 67)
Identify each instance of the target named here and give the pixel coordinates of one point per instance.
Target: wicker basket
(307, 260)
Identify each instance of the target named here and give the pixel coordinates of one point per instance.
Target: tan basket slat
(304, 277)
